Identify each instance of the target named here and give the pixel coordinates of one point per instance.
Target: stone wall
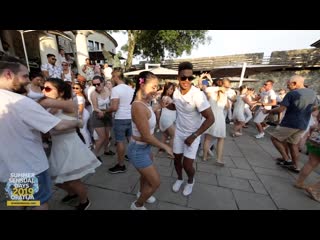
(312, 79)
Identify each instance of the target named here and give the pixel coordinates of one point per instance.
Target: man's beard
(19, 87)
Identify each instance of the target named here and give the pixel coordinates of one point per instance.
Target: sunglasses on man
(96, 84)
(184, 78)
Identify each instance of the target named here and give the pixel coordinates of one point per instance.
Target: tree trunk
(132, 34)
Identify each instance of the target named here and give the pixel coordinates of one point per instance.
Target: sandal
(220, 164)
(300, 186)
(313, 194)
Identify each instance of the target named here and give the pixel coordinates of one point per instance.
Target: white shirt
(21, 121)
(188, 108)
(53, 70)
(267, 97)
(124, 93)
(107, 73)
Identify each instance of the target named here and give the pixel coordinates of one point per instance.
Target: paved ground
(250, 180)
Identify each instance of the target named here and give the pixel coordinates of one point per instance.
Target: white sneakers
(187, 188)
(176, 186)
(151, 199)
(260, 135)
(134, 207)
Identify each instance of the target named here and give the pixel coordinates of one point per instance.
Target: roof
(156, 71)
(232, 71)
(316, 44)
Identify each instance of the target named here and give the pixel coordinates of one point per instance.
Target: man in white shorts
(267, 99)
(191, 105)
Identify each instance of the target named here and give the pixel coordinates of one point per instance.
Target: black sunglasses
(184, 78)
(76, 88)
(96, 84)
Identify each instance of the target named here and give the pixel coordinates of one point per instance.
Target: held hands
(169, 151)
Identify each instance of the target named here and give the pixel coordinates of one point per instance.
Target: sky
(228, 42)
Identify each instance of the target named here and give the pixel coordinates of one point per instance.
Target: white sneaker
(176, 186)
(134, 207)
(151, 199)
(260, 135)
(188, 189)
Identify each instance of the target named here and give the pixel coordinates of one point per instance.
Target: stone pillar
(48, 44)
(82, 48)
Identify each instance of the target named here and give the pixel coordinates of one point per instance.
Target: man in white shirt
(267, 99)
(121, 97)
(191, 105)
(50, 70)
(107, 71)
(22, 120)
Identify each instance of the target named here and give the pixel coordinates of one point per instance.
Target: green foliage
(159, 44)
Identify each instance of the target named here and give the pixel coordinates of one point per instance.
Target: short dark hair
(50, 55)
(12, 63)
(185, 65)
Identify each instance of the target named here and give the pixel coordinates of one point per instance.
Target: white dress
(70, 159)
(167, 119)
(238, 110)
(218, 128)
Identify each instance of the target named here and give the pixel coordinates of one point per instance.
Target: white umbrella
(156, 71)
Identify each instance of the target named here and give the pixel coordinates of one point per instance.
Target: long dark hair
(165, 89)
(141, 78)
(62, 87)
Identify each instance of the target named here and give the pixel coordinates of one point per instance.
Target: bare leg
(312, 163)
(220, 146)
(101, 140)
(80, 189)
(294, 151)
(151, 182)
(188, 167)
(120, 153)
(206, 146)
(280, 147)
(178, 164)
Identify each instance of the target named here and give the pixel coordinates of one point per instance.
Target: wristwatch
(195, 135)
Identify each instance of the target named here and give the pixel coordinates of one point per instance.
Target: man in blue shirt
(298, 105)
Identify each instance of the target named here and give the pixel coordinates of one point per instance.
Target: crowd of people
(79, 116)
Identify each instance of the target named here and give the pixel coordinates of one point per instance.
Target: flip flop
(299, 186)
(313, 194)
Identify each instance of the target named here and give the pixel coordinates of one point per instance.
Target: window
(90, 45)
(102, 46)
(96, 46)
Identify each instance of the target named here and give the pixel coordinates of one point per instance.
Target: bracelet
(195, 135)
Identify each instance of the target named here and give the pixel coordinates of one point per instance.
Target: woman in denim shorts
(139, 149)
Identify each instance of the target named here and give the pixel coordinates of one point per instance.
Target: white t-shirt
(267, 97)
(107, 73)
(53, 70)
(125, 94)
(21, 121)
(188, 108)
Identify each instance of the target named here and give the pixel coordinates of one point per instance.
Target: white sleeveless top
(103, 103)
(152, 122)
(34, 95)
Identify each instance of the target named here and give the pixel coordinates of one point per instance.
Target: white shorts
(180, 147)
(259, 117)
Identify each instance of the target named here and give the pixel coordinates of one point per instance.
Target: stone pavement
(250, 180)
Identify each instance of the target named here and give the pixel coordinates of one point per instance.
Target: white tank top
(103, 103)
(34, 95)
(152, 122)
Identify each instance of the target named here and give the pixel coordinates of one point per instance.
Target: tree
(158, 44)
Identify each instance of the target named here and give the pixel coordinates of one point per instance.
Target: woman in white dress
(70, 159)
(218, 101)
(167, 116)
(83, 113)
(238, 111)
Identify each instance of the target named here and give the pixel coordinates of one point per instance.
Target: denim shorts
(122, 129)
(45, 187)
(139, 155)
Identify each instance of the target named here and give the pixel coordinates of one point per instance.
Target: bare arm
(114, 106)
(45, 74)
(67, 106)
(279, 109)
(208, 115)
(67, 124)
(140, 117)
